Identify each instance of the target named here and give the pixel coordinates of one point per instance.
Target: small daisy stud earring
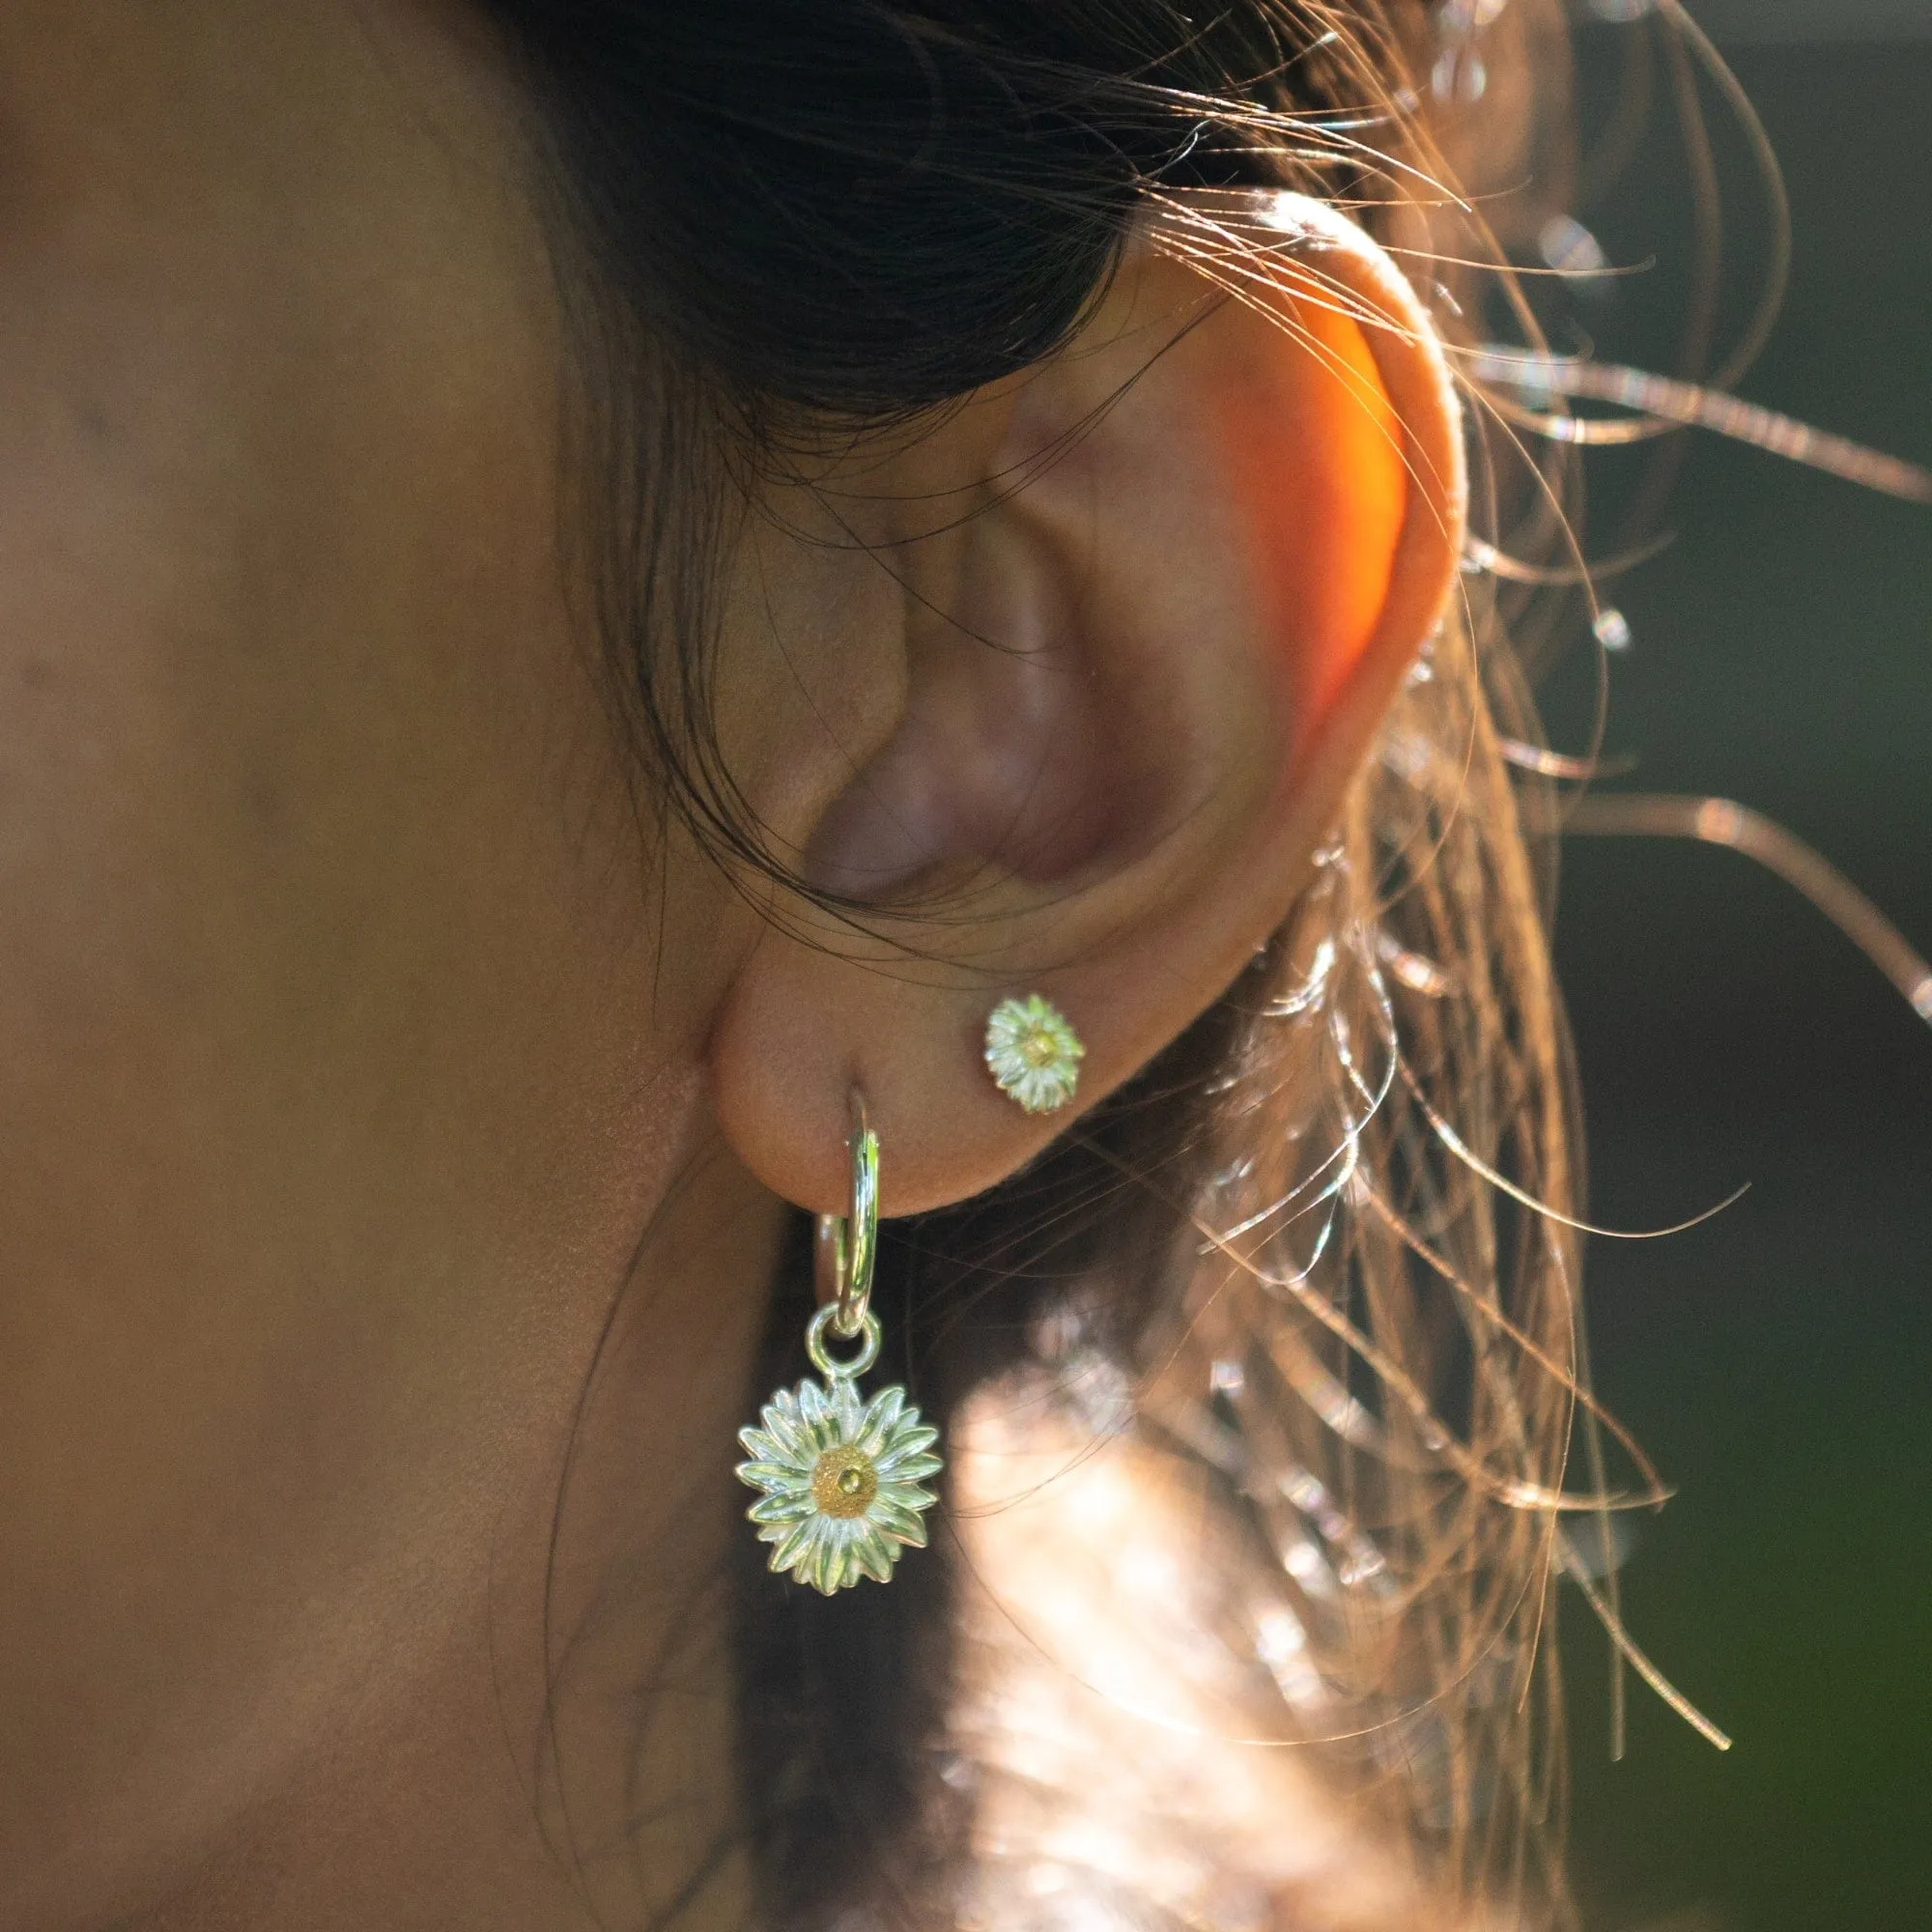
(842, 1480)
(1033, 1054)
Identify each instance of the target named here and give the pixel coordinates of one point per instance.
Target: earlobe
(1211, 534)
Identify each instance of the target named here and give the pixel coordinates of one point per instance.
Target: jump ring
(824, 1361)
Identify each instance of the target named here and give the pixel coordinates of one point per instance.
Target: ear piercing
(1033, 1054)
(843, 1480)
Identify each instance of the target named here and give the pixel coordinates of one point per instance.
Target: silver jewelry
(843, 1480)
(1033, 1054)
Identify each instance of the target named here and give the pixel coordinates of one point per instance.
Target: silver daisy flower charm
(1033, 1054)
(843, 1479)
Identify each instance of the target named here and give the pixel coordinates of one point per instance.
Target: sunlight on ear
(1316, 452)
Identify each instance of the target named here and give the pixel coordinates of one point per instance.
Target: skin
(339, 1086)
(360, 1051)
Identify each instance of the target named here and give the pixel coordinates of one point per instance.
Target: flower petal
(847, 1412)
(811, 1407)
(784, 1424)
(894, 1520)
(771, 1475)
(782, 1506)
(796, 1549)
(895, 1456)
(873, 1555)
(884, 1410)
(904, 1468)
(828, 1566)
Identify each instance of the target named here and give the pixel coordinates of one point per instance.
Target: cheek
(1322, 492)
(279, 909)
(334, 1056)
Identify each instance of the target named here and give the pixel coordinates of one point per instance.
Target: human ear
(1207, 539)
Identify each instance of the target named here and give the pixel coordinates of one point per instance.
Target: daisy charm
(842, 1478)
(1033, 1054)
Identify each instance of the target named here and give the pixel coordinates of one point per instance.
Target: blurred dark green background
(1777, 1361)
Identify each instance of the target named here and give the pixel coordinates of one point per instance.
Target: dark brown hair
(1288, 1231)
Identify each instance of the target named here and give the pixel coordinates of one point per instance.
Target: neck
(559, 1753)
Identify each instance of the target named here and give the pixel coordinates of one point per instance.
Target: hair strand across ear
(1137, 683)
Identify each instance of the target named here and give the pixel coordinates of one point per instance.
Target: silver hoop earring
(842, 1481)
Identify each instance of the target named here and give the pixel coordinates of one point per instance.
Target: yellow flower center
(843, 1483)
(1039, 1050)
